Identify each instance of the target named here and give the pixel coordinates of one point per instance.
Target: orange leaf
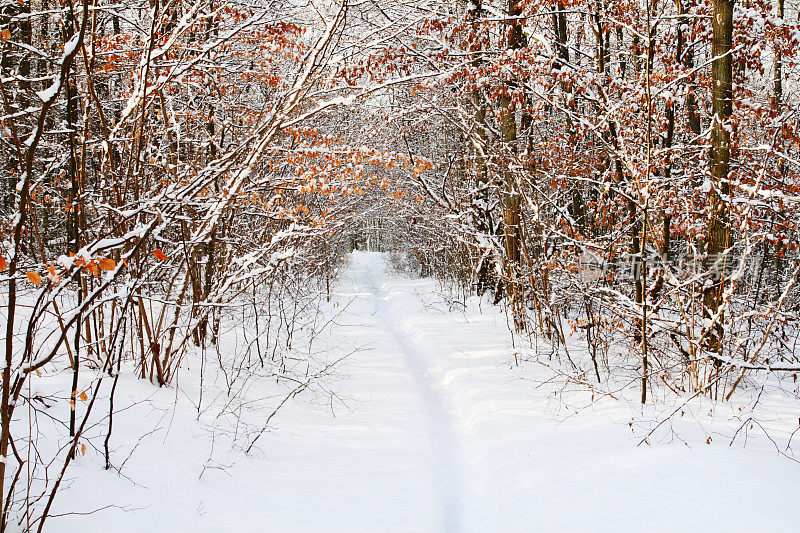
(83, 396)
(94, 270)
(3, 264)
(53, 277)
(107, 264)
(38, 373)
(83, 449)
(158, 254)
(34, 278)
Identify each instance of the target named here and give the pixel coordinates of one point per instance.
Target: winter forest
(380, 265)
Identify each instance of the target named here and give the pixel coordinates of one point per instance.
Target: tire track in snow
(445, 446)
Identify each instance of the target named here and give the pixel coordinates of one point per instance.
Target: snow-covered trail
(432, 429)
(445, 447)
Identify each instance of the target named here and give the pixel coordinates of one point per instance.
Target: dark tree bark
(511, 199)
(560, 32)
(719, 235)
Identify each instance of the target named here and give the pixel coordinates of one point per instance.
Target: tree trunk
(477, 146)
(560, 32)
(686, 55)
(511, 198)
(719, 238)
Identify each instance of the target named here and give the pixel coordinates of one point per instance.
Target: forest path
(427, 426)
(478, 417)
(444, 445)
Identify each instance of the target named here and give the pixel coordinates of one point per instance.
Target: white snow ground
(432, 429)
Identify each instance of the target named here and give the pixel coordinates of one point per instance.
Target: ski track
(446, 447)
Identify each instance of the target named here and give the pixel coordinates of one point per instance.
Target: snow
(430, 427)
(48, 94)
